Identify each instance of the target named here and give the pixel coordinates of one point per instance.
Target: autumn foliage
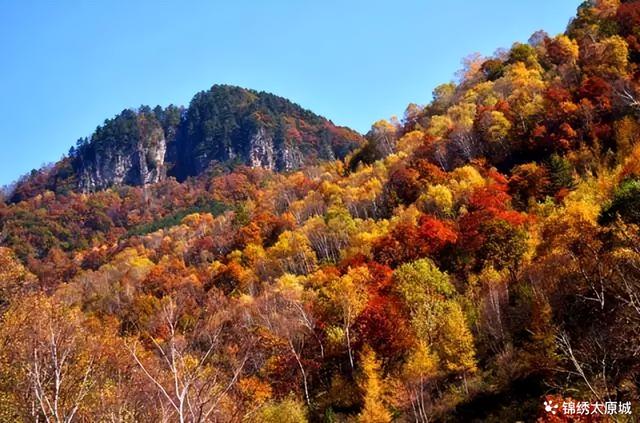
(472, 260)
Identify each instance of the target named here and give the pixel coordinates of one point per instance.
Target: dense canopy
(471, 260)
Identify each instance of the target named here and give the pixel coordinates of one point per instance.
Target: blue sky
(66, 66)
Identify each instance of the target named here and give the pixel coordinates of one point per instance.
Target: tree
(383, 136)
(286, 411)
(438, 200)
(348, 294)
(442, 98)
(372, 386)
(54, 357)
(626, 133)
(184, 373)
(424, 288)
(625, 203)
(285, 311)
(560, 174)
(529, 182)
(522, 87)
(293, 254)
(418, 373)
(562, 49)
(14, 277)
(407, 242)
(608, 58)
(437, 317)
(455, 343)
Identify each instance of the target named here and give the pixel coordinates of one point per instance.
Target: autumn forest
(249, 261)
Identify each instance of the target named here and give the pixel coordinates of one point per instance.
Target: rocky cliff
(127, 150)
(233, 125)
(225, 125)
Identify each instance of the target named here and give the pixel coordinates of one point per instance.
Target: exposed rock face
(128, 150)
(224, 125)
(291, 158)
(139, 166)
(261, 150)
(229, 125)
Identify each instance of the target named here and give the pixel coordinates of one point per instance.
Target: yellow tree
(418, 373)
(372, 386)
(522, 87)
(383, 135)
(185, 372)
(14, 277)
(293, 254)
(436, 316)
(424, 288)
(52, 355)
(348, 295)
(286, 411)
(455, 344)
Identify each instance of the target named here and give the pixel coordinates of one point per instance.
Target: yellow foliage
(523, 87)
(408, 215)
(439, 126)
(290, 283)
(606, 8)
(293, 253)
(465, 179)
(286, 411)
(616, 54)
(455, 342)
(371, 384)
(568, 46)
(609, 57)
(498, 127)
(462, 115)
(410, 141)
(254, 388)
(631, 166)
(585, 202)
(192, 219)
(437, 200)
(482, 94)
(13, 274)
(627, 132)
(421, 364)
(335, 335)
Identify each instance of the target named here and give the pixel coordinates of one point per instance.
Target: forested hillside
(222, 127)
(470, 261)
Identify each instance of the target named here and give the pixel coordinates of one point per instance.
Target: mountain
(225, 125)
(477, 260)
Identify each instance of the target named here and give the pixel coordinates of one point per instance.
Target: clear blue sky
(65, 66)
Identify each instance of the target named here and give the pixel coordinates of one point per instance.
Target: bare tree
(58, 390)
(190, 384)
(284, 312)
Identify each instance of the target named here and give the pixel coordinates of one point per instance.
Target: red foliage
(435, 234)
(555, 95)
(598, 91)
(404, 183)
(384, 326)
(493, 198)
(234, 186)
(628, 17)
(407, 242)
(428, 171)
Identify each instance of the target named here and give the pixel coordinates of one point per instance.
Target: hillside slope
(467, 263)
(224, 126)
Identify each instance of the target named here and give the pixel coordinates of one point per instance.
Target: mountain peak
(226, 125)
